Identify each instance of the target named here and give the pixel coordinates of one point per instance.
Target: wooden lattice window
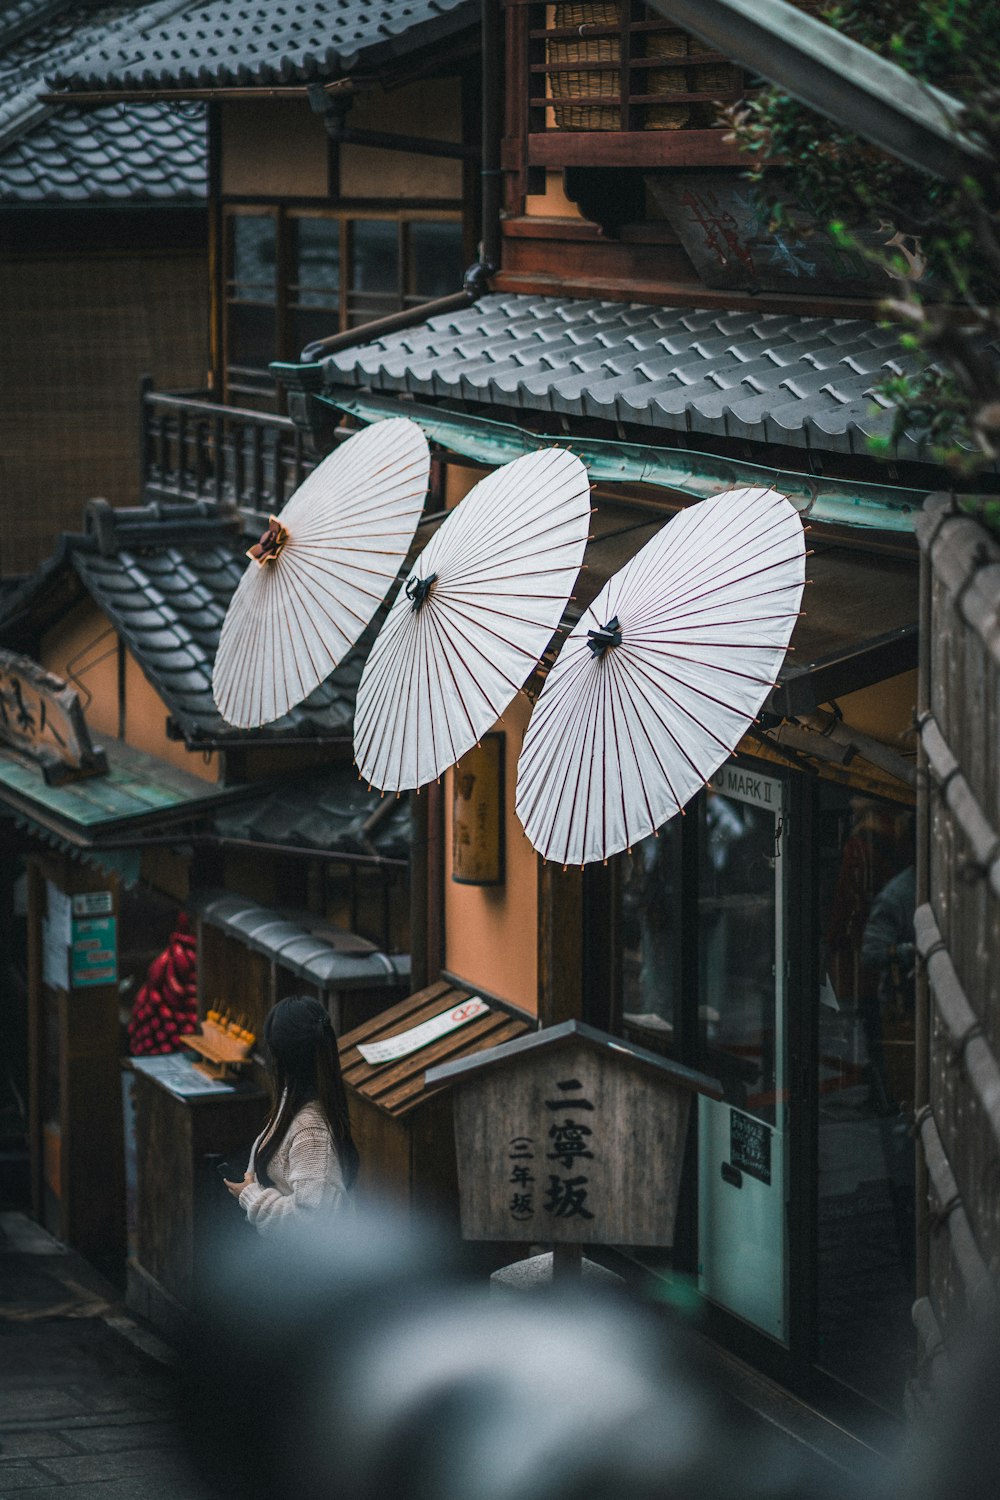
(298, 274)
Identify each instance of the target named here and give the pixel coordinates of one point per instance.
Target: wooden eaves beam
(96, 97)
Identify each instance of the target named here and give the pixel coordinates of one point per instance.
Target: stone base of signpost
(535, 1273)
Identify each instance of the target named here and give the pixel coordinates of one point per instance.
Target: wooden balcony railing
(194, 448)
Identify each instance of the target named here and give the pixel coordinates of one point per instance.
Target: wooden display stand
(181, 1198)
(225, 1047)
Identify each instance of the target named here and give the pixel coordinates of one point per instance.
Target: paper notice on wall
(92, 904)
(55, 958)
(410, 1041)
(58, 912)
(56, 930)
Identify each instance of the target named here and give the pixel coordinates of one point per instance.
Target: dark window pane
(316, 263)
(736, 919)
(254, 257)
(375, 271)
(312, 324)
(648, 925)
(251, 343)
(865, 1023)
(436, 261)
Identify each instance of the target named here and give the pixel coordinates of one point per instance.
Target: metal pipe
(855, 740)
(692, 474)
(389, 140)
(367, 333)
(492, 65)
(206, 840)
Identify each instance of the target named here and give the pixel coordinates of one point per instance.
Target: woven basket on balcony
(718, 78)
(666, 81)
(597, 83)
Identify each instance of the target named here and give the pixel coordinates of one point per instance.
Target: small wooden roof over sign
(400, 1084)
(570, 1136)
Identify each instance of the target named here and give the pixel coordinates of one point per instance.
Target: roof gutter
(693, 475)
(837, 77)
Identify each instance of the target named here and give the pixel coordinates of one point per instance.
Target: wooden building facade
(629, 302)
(103, 278)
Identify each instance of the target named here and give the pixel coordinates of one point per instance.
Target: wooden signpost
(570, 1137)
(41, 717)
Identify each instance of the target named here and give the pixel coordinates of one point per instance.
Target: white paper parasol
(320, 572)
(478, 610)
(659, 680)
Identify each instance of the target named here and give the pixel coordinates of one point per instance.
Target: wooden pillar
(560, 944)
(75, 1083)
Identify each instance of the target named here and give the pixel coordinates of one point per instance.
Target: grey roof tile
(765, 377)
(121, 153)
(169, 604)
(327, 809)
(261, 42)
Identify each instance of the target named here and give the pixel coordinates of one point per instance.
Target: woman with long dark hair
(304, 1160)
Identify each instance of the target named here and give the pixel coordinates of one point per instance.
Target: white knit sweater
(305, 1172)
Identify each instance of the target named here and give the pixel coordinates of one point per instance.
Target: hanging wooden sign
(477, 815)
(41, 716)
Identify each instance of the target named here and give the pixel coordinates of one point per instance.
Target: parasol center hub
(271, 543)
(418, 591)
(609, 635)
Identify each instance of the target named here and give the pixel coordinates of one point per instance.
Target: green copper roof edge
(839, 502)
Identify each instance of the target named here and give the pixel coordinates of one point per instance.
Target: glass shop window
(375, 288)
(738, 899)
(648, 920)
(251, 325)
(865, 1008)
(314, 291)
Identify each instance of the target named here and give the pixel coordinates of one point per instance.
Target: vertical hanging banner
(477, 814)
(94, 946)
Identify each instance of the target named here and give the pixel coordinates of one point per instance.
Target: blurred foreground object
(370, 1365)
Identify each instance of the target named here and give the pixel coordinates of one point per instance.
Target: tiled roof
(20, 16)
(134, 153)
(150, 153)
(766, 377)
(260, 42)
(169, 604)
(329, 957)
(329, 809)
(168, 598)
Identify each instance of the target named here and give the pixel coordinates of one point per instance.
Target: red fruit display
(166, 1005)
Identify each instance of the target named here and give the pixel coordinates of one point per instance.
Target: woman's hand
(236, 1188)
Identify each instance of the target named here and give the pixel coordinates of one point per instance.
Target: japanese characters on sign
(406, 1042)
(41, 716)
(750, 1145)
(567, 1136)
(567, 1146)
(79, 939)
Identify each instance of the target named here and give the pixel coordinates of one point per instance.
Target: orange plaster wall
(491, 932)
(82, 648)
